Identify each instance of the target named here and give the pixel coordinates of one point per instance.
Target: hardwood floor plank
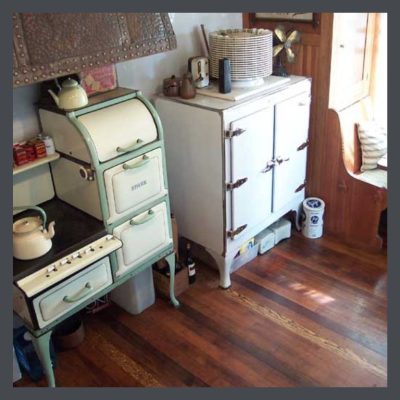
(335, 303)
(178, 345)
(167, 371)
(306, 333)
(139, 375)
(324, 297)
(262, 355)
(232, 359)
(326, 282)
(307, 313)
(342, 328)
(342, 341)
(291, 353)
(376, 258)
(323, 254)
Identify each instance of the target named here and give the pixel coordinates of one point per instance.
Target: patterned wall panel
(48, 45)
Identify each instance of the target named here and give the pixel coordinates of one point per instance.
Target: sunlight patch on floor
(314, 294)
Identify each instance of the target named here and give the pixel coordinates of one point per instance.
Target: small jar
(171, 86)
(49, 143)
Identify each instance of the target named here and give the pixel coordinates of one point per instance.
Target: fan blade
(280, 33)
(290, 55)
(294, 37)
(277, 49)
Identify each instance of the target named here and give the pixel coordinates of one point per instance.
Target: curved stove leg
(42, 347)
(171, 263)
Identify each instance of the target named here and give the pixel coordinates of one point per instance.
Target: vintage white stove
(111, 210)
(112, 166)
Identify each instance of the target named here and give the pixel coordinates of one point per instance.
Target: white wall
(25, 120)
(145, 74)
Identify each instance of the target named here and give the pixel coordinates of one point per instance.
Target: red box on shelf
(19, 155)
(40, 148)
(30, 151)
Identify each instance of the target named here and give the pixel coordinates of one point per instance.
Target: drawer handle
(139, 164)
(150, 215)
(133, 146)
(88, 287)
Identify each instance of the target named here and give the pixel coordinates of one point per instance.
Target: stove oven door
(120, 128)
(142, 237)
(129, 186)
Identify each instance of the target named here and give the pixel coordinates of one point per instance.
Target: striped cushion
(373, 140)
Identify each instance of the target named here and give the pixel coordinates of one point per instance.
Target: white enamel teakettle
(31, 239)
(71, 95)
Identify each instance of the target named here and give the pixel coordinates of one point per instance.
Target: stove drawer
(62, 298)
(142, 237)
(120, 128)
(131, 185)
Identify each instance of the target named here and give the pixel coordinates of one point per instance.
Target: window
(378, 88)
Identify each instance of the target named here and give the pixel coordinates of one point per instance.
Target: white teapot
(71, 95)
(31, 239)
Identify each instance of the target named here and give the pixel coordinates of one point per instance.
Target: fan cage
(249, 51)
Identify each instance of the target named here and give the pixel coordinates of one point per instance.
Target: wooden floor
(307, 313)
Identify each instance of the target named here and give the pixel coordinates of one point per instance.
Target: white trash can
(312, 217)
(137, 293)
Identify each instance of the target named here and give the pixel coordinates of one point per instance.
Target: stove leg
(42, 347)
(171, 263)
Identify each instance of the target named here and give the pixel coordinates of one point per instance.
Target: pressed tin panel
(48, 45)
(67, 35)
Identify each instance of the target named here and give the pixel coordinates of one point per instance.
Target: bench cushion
(373, 141)
(376, 177)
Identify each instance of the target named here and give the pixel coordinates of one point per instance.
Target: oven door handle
(150, 215)
(145, 160)
(72, 299)
(138, 143)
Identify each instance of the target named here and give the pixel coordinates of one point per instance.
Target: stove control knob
(64, 261)
(75, 255)
(51, 268)
(109, 237)
(88, 250)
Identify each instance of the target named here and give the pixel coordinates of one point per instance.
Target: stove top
(74, 229)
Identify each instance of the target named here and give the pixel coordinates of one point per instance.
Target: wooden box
(161, 282)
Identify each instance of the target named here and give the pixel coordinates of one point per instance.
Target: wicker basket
(249, 51)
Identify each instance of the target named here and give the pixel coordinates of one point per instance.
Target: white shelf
(36, 163)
